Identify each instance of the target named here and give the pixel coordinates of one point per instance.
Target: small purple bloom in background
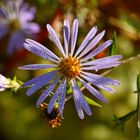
(74, 66)
(6, 83)
(15, 20)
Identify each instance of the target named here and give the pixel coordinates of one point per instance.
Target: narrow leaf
(113, 48)
(91, 102)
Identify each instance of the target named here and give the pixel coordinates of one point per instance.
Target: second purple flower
(16, 20)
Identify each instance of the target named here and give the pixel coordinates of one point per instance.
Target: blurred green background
(20, 119)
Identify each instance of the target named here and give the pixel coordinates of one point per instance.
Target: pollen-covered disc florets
(54, 118)
(69, 67)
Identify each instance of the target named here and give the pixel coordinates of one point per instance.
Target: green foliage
(113, 47)
(138, 83)
(138, 106)
(130, 21)
(92, 102)
(120, 121)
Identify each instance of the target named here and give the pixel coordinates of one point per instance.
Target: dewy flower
(74, 66)
(15, 20)
(6, 83)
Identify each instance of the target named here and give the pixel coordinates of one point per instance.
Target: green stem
(138, 106)
(138, 115)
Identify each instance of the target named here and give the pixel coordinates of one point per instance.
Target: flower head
(54, 118)
(15, 19)
(6, 83)
(74, 66)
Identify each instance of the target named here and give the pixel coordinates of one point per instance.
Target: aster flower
(6, 83)
(74, 66)
(15, 19)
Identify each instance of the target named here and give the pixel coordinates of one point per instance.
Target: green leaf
(113, 48)
(92, 102)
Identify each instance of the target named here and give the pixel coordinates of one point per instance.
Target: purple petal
(82, 99)
(97, 50)
(2, 89)
(77, 102)
(66, 32)
(35, 87)
(4, 85)
(3, 30)
(42, 48)
(15, 42)
(37, 66)
(109, 59)
(93, 91)
(26, 15)
(87, 39)
(53, 100)
(20, 40)
(2, 78)
(55, 39)
(85, 105)
(103, 80)
(74, 35)
(40, 78)
(20, 3)
(55, 97)
(3, 13)
(39, 51)
(45, 94)
(39, 85)
(98, 84)
(62, 97)
(31, 28)
(92, 44)
(102, 66)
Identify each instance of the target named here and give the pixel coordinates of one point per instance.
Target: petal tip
(28, 40)
(96, 28)
(48, 26)
(81, 117)
(49, 110)
(20, 68)
(37, 104)
(28, 94)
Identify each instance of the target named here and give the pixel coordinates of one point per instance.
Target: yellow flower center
(69, 67)
(14, 24)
